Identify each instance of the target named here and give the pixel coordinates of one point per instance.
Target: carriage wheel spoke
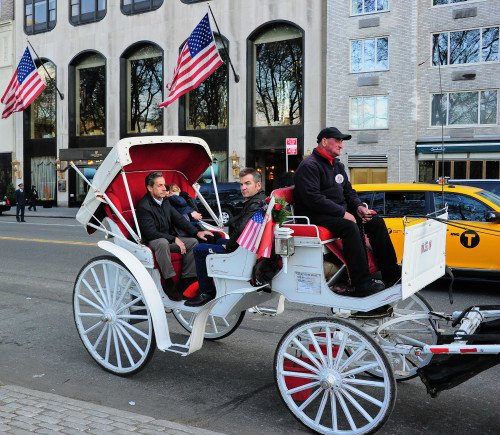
(302, 387)
(106, 282)
(124, 345)
(355, 403)
(130, 339)
(124, 292)
(96, 325)
(310, 399)
(99, 338)
(317, 348)
(347, 413)
(214, 325)
(355, 356)
(128, 305)
(117, 349)
(94, 293)
(364, 382)
(340, 352)
(99, 286)
(108, 343)
(321, 408)
(333, 410)
(133, 316)
(92, 304)
(301, 363)
(361, 369)
(115, 289)
(133, 329)
(363, 395)
(309, 355)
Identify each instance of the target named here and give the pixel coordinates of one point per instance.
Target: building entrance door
(368, 175)
(272, 166)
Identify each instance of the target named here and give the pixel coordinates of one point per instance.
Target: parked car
(4, 204)
(486, 184)
(472, 239)
(231, 200)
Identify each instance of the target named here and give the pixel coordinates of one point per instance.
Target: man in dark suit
(158, 221)
(20, 203)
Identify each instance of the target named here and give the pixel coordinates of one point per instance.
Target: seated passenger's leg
(161, 248)
(383, 250)
(188, 267)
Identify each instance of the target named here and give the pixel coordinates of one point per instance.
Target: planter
(47, 204)
(294, 382)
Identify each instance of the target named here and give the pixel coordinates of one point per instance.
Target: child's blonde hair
(174, 188)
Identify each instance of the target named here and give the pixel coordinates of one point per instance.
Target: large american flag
(249, 238)
(198, 59)
(26, 84)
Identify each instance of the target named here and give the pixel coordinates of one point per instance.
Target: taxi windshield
(490, 196)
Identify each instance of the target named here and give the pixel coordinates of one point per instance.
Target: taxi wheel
(111, 317)
(328, 389)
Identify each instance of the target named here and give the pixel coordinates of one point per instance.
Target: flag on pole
(249, 238)
(266, 242)
(26, 84)
(198, 59)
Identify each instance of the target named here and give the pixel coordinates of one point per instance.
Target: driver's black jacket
(159, 221)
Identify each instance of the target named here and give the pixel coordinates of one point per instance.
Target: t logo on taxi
(426, 246)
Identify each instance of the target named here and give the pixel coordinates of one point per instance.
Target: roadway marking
(57, 242)
(36, 223)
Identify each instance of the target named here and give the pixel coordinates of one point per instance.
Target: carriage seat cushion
(310, 231)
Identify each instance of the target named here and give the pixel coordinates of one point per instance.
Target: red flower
(268, 200)
(278, 206)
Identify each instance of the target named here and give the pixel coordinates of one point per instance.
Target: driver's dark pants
(354, 249)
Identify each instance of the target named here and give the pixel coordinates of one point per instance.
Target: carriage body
(121, 311)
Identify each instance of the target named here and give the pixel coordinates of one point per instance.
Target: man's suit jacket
(160, 221)
(21, 197)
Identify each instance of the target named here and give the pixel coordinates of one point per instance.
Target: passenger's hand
(180, 244)
(364, 213)
(201, 234)
(196, 215)
(349, 217)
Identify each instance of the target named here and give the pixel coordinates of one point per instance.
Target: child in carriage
(185, 205)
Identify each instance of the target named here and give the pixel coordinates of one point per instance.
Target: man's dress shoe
(199, 300)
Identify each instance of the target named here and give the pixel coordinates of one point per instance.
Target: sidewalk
(26, 411)
(53, 212)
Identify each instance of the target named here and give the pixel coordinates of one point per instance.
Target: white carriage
(336, 374)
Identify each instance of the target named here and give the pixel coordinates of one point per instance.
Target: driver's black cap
(329, 132)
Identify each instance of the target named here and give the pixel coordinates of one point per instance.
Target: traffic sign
(291, 146)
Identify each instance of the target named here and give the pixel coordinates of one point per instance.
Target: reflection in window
(369, 55)
(207, 105)
(87, 11)
(137, 6)
(43, 109)
(278, 77)
(39, 15)
(467, 46)
(461, 207)
(404, 203)
(426, 171)
(91, 96)
(446, 2)
(43, 176)
(144, 90)
(359, 7)
(464, 108)
(368, 112)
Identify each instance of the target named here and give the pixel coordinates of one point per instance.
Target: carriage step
(178, 348)
(383, 311)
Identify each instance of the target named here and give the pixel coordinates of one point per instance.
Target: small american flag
(249, 237)
(198, 59)
(26, 84)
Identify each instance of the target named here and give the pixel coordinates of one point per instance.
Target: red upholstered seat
(310, 231)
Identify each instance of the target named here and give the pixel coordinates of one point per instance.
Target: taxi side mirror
(492, 216)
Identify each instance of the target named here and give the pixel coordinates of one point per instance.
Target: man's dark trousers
(20, 212)
(354, 250)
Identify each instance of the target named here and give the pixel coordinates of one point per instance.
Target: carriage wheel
(327, 388)
(111, 317)
(217, 327)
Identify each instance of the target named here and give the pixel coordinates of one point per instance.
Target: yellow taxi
(473, 233)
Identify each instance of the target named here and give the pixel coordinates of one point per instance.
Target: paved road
(227, 386)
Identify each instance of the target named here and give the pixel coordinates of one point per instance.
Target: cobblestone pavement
(26, 411)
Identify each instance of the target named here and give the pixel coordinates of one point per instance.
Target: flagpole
(236, 76)
(61, 96)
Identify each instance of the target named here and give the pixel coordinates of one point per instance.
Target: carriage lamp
(16, 169)
(283, 242)
(235, 162)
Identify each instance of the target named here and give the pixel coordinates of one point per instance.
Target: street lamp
(235, 162)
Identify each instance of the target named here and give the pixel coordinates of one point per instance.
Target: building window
(145, 90)
(43, 176)
(368, 112)
(369, 55)
(207, 105)
(130, 7)
(465, 46)
(278, 77)
(431, 170)
(446, 2)
(361, 7)
(464, 108)
(43, 109)
(90, 110)
(87, 11)
(39, 16)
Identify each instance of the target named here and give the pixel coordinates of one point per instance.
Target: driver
(254, 198)
(158, 221)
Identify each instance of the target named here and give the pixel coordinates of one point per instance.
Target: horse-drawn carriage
(336, 373)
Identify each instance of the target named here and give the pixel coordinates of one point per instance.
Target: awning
(467, 147)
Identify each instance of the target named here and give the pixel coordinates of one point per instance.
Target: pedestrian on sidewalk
(33, 198)
(20, 202)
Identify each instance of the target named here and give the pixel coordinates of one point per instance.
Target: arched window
(143, 89)
(43, 109)
(278, 73)
(130, 7)
(39, 16)
(86, 11)
(207, 105)
(90, 95)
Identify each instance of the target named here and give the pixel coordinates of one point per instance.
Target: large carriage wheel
(321, 370)
(217, 327)
(112, 319)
